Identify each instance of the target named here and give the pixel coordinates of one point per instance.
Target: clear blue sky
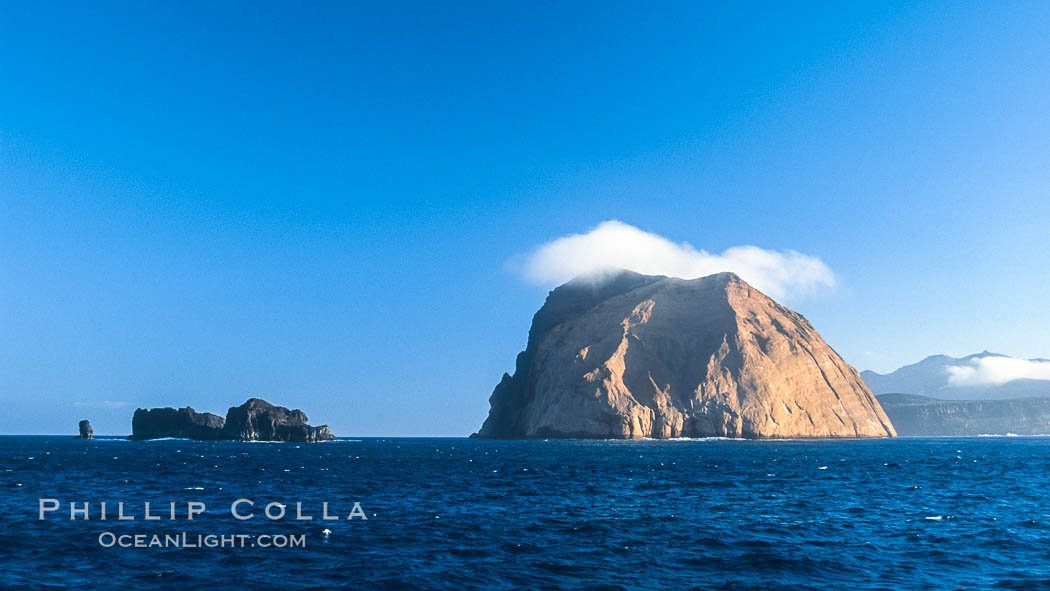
(316, 204)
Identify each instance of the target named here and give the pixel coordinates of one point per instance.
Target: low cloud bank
(616, 245)
(102, 404)
(986, 371)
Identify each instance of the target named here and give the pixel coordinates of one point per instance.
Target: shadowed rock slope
(632, 356)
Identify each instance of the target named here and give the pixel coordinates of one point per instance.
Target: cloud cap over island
(614, 244)
(996, 370)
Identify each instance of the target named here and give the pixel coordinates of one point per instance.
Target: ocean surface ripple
(462, 514)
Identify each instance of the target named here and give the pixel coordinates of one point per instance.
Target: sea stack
(629, 356)
(86, 432)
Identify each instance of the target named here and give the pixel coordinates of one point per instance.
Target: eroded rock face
(258, 420)
(86, 432)
(637, 356)
(183, 423)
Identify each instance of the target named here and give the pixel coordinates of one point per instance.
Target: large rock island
(633, 356)
(255, 420)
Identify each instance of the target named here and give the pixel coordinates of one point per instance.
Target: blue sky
(322, 204)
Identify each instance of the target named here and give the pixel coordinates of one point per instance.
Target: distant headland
(981, 394)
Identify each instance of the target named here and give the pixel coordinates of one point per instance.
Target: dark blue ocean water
(462, 514)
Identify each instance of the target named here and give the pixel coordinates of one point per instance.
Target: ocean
(462, 514)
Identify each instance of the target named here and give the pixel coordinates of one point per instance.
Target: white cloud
(985, 371)
(102, 404)
(616, 245)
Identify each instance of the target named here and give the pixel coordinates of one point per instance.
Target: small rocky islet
(255, 420)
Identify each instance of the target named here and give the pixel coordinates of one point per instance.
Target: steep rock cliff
(632, 356)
